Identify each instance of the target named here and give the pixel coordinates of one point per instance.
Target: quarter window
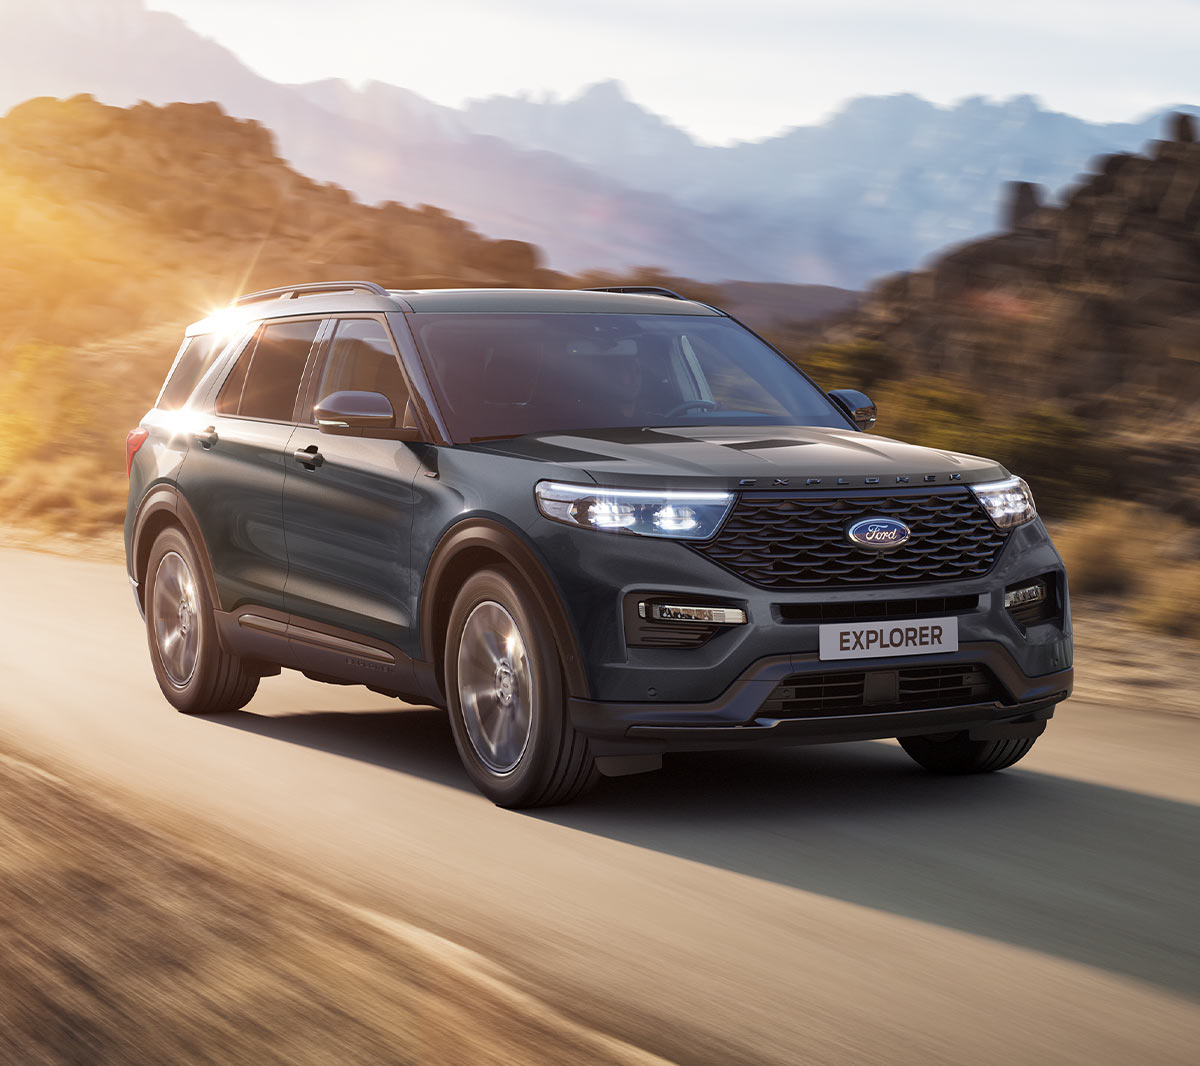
(196, 356)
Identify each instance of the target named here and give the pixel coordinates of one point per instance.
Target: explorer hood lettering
(757, 457)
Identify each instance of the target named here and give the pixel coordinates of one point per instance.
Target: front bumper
(600, 572)
(736, 717)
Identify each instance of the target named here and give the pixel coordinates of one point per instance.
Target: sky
(729, 71)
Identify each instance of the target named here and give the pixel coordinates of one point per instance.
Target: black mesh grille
(874, 610)
(910, 688)
(800, 541)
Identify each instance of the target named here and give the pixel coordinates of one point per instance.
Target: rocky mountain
(881, 184)
(602, 129)
(1079, 324)
(115, 219)
(597, 181)
(121, 53)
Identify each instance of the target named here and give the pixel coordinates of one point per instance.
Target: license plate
(876, 640)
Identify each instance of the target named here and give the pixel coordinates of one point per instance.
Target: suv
(595, 525)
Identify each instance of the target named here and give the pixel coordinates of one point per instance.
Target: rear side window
(361, 359)
(194, 359)
(266, 378)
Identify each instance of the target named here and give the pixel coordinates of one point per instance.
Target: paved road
(820, 905)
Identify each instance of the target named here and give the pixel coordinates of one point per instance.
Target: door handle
(207, 438)
(309, 457)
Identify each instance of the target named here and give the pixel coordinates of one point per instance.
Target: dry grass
(73, 496)
(1148, 560)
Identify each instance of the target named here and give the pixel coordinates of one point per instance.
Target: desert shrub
(862, 365)
(50, 405)
(1149, 559)
(1169, 600)
(1105, 550)
(76, 494)
(61, 442)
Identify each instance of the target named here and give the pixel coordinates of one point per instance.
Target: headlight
(1008, 502)
(681, 515)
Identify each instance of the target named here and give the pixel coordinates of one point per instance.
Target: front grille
(909, 688)
(874, 610)
(800, 541)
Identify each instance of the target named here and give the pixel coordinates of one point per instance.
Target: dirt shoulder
(125, 944)
(1119, 664)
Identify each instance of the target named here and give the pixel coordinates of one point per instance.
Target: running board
(311, 636)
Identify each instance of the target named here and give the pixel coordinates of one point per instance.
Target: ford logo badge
(878, 534)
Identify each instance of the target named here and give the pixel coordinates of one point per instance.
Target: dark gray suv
(596, 526)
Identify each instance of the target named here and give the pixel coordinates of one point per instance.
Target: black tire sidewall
(190, 698)
(523, 784)
(960, 755)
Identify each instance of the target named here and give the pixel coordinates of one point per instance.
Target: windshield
(502, 375)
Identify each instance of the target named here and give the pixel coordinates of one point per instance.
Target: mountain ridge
(595, 179)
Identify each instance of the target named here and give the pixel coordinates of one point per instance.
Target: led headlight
(1009, 502)
(681, 515)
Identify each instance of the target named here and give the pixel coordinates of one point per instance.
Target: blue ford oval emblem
(879, 534)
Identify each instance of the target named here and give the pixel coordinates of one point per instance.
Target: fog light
(1024, 594)
(691, 612)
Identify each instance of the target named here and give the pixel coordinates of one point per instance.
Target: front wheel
(956, 753)
(504, 687)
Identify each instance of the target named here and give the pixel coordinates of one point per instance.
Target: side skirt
(325, 653)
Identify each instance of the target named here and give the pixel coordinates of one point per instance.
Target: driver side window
(361, 359)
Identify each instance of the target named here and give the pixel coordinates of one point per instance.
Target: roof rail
(290, 292)
(638, 290)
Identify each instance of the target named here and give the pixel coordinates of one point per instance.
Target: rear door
(233, 475)
(348, 501)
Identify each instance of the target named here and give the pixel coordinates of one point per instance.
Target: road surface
(808, 905)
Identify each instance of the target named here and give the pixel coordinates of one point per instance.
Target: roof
(546, 301)
(353, 297)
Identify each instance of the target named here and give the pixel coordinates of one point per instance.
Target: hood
(759, 457)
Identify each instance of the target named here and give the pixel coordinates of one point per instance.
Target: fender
(502, 540)
(169, 499)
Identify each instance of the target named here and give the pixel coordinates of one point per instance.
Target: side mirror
(857, 405)
(355, 410)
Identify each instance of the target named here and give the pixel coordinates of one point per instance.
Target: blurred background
(986, 216)
(1002, 276)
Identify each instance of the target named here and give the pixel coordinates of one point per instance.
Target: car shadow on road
(1092, 874)
(416, 740)
(1096, 875)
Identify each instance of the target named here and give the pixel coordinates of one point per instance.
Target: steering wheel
(690, 405)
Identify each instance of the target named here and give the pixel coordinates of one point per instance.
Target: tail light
(137, 437)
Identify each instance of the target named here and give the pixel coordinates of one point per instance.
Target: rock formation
(1090, 307)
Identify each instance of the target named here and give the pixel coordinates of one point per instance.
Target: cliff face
(1091, 306)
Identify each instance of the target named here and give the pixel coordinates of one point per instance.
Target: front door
(348, 509)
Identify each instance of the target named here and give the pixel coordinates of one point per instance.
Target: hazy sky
(731, 70)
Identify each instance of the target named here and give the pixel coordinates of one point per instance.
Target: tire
(954, 753)
(195, 673)
(506, 697)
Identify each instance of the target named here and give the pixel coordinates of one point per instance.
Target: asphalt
(808, 905)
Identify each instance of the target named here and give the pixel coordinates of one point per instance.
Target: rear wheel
(955, 753)
(194, 672)
(504, 687)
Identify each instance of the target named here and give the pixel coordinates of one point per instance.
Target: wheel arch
(165, 507)
(470, 547)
